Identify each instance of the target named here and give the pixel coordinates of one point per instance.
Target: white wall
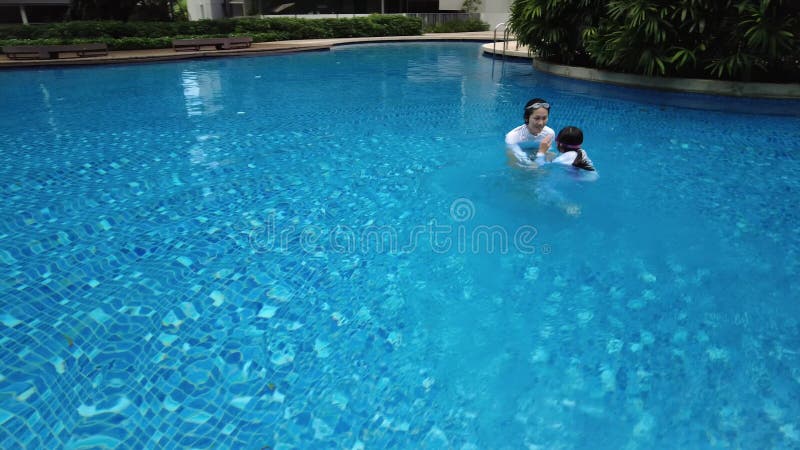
(492, 11)
(450, 5)
(317, 16)
(495, 11)
(205, 9)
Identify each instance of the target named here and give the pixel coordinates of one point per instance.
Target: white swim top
(520, 139)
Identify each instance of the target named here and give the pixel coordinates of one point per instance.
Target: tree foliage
(727, 39)
(471, 6)
(101, 9)
(120, 9)
(552, 27)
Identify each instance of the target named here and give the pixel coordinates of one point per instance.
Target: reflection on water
(434, 71)
(514, 72)
(202, 92)
(185, 262)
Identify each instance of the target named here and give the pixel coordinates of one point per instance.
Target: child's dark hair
(529, 110)
(570, 137)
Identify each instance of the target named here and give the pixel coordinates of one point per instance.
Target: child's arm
(543, 147)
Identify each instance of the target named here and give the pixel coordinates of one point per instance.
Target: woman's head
(569, 138)
(537, 111)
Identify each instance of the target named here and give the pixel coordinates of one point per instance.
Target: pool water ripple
(297, 252)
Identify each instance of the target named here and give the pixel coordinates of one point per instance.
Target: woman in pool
(529, 135)
(568, 142)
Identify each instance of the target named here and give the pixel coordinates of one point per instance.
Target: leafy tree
(471, 6)
(730, 39)
(120, 9)
(634, 35)
(152, 10)
(180, 10)
(553, 27)
(764, 37)
(101, 9)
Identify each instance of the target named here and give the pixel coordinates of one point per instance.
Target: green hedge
(124, 43)
(458, 26)
(143, 35)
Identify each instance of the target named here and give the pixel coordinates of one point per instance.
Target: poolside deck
(165, 54)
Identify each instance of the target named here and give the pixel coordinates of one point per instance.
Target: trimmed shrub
(142, 35)
(40, 41)
(270, 36)
(253, 26)
(205, 27)
(138, 43)
(94, 29)
(397, 25)
(23, 32)
(458, 26)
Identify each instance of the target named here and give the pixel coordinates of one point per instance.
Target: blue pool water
(327, 250)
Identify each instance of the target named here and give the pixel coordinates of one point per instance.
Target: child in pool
(576, 161)
(568, 142)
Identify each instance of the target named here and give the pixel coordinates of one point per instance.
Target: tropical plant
(180, 10)
(553, 27)
(101, 9)
(152, 10)
(635, 35)
(765, 35)
(730, 39)
(121, 9)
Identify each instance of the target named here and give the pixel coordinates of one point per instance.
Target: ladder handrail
(506, 35)
(494, 39)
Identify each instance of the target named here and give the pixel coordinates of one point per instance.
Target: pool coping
(692, 85)
(789, 91)
(490, 47)
(260, 48)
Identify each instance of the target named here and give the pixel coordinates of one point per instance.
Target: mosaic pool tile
(169, 281)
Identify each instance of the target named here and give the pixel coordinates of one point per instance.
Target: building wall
(205, 9)
(33, 2)
(35, 11)
(494, 12)
(450, 5)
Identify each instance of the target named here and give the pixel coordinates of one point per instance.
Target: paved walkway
(512, 48)
(164, 54)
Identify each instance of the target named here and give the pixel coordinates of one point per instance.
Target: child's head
(569, 138)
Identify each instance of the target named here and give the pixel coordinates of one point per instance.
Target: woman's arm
(517, 154)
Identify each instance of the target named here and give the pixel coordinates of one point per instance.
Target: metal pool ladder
(506, 32)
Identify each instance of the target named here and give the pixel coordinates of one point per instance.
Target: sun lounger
(53, 51)
(218, 43)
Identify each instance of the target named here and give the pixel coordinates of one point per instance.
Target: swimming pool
(326, 250)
